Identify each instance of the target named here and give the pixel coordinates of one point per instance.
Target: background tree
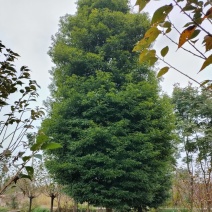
(194, 114)
(50, 188)
(106, 111)
(197, 22)
(29, 188)
(17, 93)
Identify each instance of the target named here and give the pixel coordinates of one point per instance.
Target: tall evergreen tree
(106, 111)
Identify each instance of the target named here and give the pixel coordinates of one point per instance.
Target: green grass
(39, 209)
(173, 210)
(3, 209)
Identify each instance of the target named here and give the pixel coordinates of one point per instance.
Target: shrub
(13, 202)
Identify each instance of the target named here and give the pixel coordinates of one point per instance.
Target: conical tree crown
(101, 39)
(115, 5)
(106, 111)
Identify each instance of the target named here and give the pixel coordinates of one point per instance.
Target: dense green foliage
(194, 111)
(115, 5)
(106, 111)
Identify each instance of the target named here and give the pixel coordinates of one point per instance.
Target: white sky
(26, 26)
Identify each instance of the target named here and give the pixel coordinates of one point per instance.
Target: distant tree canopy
(106, 111)
(115, 5)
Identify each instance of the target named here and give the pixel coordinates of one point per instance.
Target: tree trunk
(58, 202)
(75, 209)
(30, 203)
(109, 210)
(140, 209)
(208, 205)
(88, 210)
(52, 203)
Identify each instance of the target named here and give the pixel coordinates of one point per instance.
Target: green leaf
(25, 176)
(39, 156)
(198, 16)
(52, 145)
(35, 147)
(161, 14)
(206, 63)
(142, 4)
(41, 138)
(3, 103)
(164, 51)
(167, 25)
(20, 154)
(188, 7)
(195, 34)
(26, 158)
(163, 71)
(15, 54)
(188, 24)
(29, 170)
(194, 41)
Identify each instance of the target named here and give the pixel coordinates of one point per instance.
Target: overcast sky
(26, 26)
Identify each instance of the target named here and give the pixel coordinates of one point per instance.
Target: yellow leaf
(186, 34)
(143, 55)
(209, 87)
(142, 44)
(152, 33)
(204, 82)
(208, 14)
(148, 56)
(206, 63)
(208, 42)
(163, 71)
(149, 37)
